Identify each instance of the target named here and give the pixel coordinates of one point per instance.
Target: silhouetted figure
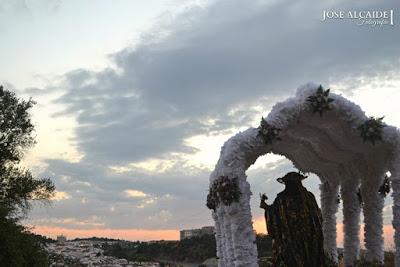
(294, 222)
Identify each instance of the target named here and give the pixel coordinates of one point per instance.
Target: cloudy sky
(135, 98)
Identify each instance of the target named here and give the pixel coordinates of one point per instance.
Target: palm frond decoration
(223, 190)
(268, 132)
(320, 101)
(212, 198)
(371, 130)
(228, 190)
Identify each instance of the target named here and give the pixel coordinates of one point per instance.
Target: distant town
(87, 253)
(90, 252)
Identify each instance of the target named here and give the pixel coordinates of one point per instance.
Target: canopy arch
(329, 144)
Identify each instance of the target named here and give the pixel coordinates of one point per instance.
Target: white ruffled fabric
(329, 146)
(329, 207)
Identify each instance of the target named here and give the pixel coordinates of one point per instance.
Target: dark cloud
(174, 199)
(96, 191)
(212, 60)
(205, 75)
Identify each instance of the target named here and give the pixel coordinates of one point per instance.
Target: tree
(18, 187)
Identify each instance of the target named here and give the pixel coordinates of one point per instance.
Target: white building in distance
(197, 232)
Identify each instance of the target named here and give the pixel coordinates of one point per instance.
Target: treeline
(97, 239)
(18, 187)
(195, 249)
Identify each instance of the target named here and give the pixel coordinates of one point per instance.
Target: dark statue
(294, 222)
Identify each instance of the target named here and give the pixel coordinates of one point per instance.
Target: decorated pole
(396, 213)
(329, 206)
(373, 201)
(351, 219)
(395, 182)
(229, 198)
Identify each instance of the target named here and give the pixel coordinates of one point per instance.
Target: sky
(135, 98)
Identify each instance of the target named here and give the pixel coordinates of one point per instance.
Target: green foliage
(18, 187)
(18, 247)
(195, 249)
(15, 126)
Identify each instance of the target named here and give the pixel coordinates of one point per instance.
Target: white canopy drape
(329, 146)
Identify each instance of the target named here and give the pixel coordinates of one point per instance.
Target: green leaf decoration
(212, 198)
(223, 190)
(268, 132)
(371, 130)
(228, 190)
(320, 101)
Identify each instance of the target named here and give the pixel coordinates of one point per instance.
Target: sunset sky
(135, 98)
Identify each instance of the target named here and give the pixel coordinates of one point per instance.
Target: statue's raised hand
(263, 197)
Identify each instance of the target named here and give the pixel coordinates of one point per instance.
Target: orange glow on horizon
(148, 235)
(125, 234)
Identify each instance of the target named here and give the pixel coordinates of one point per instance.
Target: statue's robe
(294, 222)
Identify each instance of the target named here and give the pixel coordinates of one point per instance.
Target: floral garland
(268, 132)
(384, 189)
(223, 190)
(371, 130)
(320, 101)
(228, 190)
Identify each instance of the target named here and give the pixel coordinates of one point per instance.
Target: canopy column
(351, 220)
(396, 213)
(219, 237)
(243, 236)
(228, 241)
(329, 207)
(223, 232)
(373, 221)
